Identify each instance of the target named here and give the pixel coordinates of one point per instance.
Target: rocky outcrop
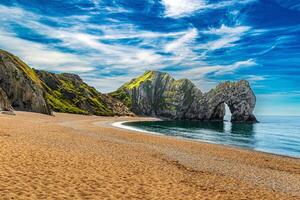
(25, 89)
(237, 95)
(4, 102)
(153, 94)
(158, 94)
(68, 93)
(21, 85)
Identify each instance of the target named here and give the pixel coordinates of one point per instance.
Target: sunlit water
(274, 134)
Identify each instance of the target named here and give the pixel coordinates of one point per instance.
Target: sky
(108, 42)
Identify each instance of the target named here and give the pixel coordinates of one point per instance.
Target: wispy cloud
(183, 8)
(255, 78)
(104, 48)
(226, 36)
(290, 4)
(230, 69)
(74, 37)
(110, 42)
(42, 57)
(219, 69)
(179, 8)
(187, 38)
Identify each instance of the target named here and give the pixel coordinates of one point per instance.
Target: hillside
(158, 94)
(21, 85)
(31, 90)
(152, 94)
(68, 93)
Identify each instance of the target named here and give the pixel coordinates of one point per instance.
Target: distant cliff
(68, 93)
(25, 89)
(152, 94)
(158, 94)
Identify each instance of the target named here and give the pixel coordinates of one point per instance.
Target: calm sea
(274, 134)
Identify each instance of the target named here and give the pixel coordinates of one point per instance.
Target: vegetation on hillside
(122, 93)
(23, 66)
(68, 93)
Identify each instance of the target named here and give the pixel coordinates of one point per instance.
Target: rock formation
(25, 89)
(153, 94)
(158, 94)
(21, 85)
(68, 93)
(4, 102)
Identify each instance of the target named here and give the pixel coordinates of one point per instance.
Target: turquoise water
(274, 134)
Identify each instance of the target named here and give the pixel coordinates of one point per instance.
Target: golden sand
(84, 157)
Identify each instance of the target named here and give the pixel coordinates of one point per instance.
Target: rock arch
(238, 96)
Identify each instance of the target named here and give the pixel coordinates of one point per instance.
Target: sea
(274, 134)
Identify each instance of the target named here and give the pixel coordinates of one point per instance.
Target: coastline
(120, 124)
(85, 157)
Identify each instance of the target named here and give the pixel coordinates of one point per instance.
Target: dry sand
(84, 157)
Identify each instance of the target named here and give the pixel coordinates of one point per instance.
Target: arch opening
(228, 114)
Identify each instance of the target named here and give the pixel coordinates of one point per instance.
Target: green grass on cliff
(122, 96)
(24, 67)
(135, 83)
(122, 93)
(81, 99)
(65, 92)
(60, 105)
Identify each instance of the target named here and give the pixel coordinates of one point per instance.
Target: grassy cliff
(58, 92)
(157, 94)
(68, 93)
(122, 93)
(31, 74)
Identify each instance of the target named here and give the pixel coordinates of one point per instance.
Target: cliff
(4, 102)
(21, 85)
(25, 89)
(158, 94)
(152, 94)
(68, 93)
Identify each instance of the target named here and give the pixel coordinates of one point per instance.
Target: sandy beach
(85, 157)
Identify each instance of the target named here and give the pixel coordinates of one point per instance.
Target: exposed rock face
(21, 85)
(237, 95)
(25, 89)
(158, 94)
(68, 93)
(4, 102)
(153, 94)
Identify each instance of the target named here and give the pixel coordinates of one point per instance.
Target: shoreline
(120, 124)
(85, 157)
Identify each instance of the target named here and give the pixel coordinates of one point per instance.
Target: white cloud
(179, 8)
(218, 70)
(255, 78)
(290, 4)
(229, 69)
(227, 36)
(106, 84)
(102, 50)
(182, 8)
(224, 42)
(42, 57)
(182, 50)
(188, 37)
(236, 30)
(96, 52)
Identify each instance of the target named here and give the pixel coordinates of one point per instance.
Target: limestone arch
(239, 97)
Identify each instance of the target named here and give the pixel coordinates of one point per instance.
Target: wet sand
(85, 157)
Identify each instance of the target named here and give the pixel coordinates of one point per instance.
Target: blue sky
(108, 42)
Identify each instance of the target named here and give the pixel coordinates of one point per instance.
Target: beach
(85, 157)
